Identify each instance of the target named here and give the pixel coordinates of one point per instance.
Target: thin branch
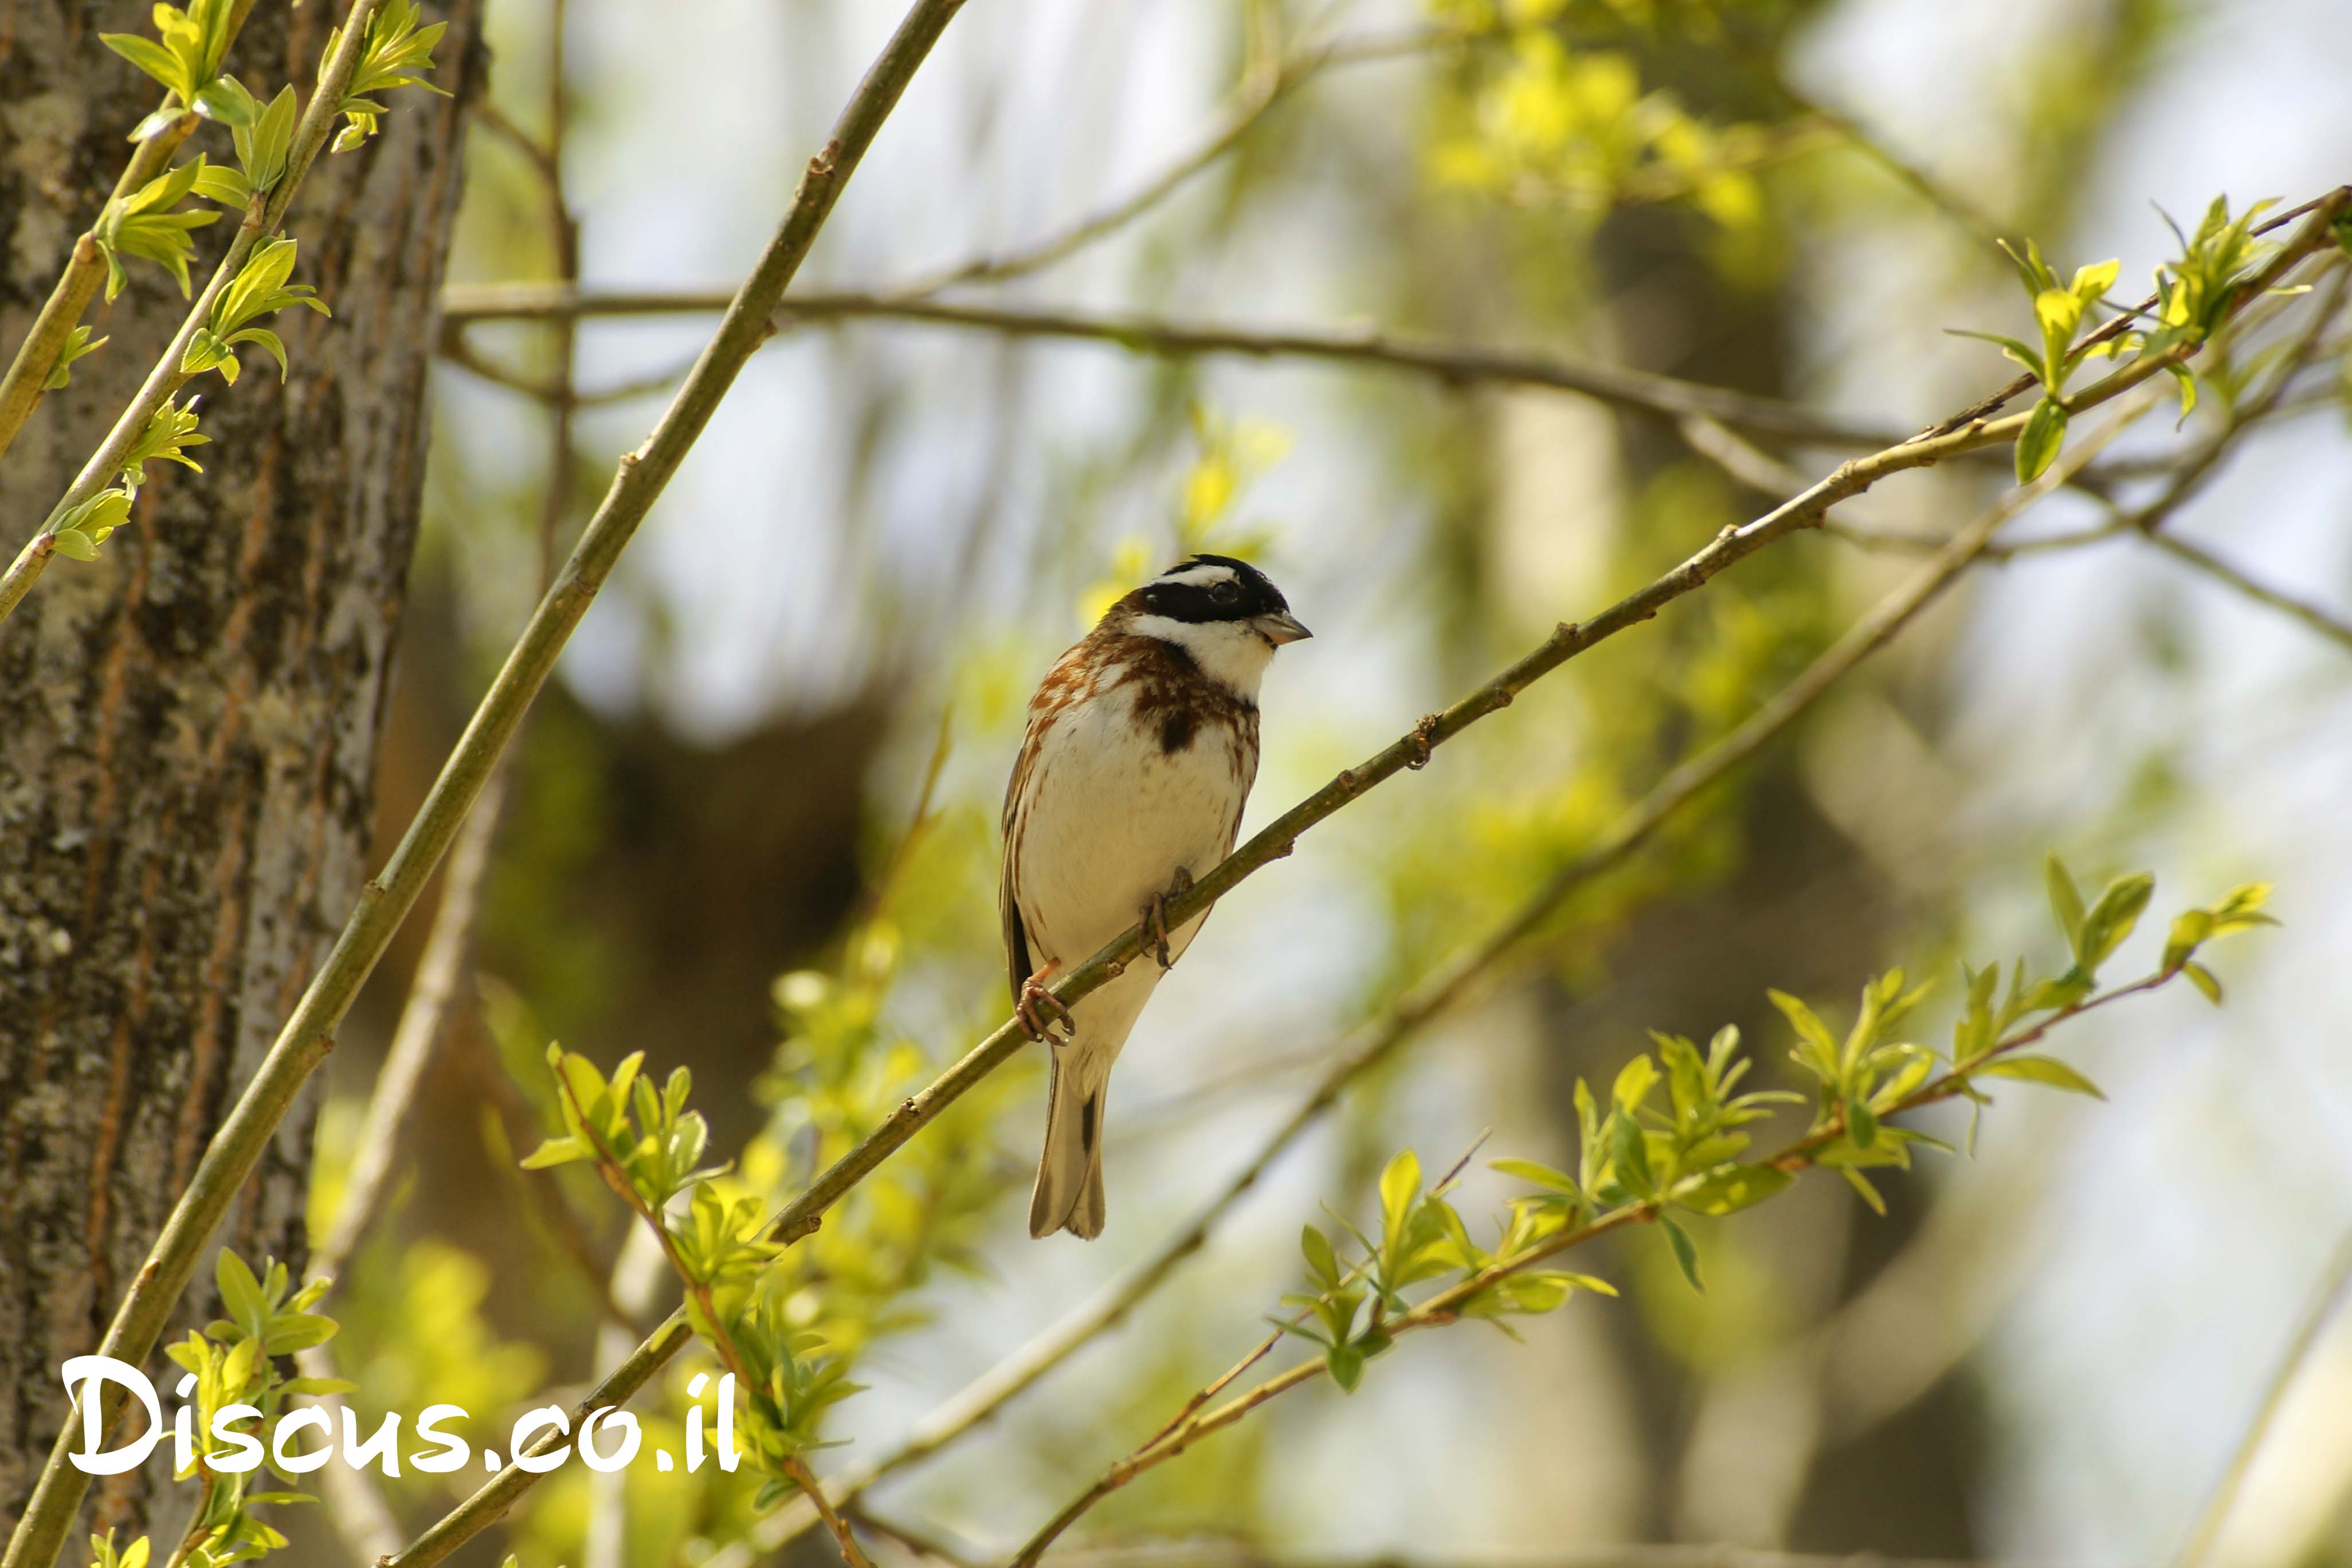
(362, 1515)
(1413, 749)
(1453, 362)
(1264, 84)
(2319, 618)
(1215, 1552)
(2326, 1298)
(542, 159)
(441, 973)
(921, 1543)
(1934, 191)
(386, 898)
(458, 350)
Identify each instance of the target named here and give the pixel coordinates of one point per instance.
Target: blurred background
(752, 829)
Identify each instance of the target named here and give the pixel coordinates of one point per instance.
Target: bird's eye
(1224, 592)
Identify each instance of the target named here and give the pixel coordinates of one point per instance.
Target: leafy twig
(174, 367)
(714, 1327)
(1450, 1305)
(29, 373)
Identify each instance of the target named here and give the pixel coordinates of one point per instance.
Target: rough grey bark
(188, 727)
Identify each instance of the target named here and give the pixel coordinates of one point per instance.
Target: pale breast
(1123, 793)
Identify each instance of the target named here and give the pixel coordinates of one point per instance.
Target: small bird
(1141, 747)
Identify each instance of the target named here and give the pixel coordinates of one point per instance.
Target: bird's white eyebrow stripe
(1200, 575)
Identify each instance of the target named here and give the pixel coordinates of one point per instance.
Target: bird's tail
(1069, 1193)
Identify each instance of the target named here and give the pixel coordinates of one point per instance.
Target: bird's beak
(1280, 628)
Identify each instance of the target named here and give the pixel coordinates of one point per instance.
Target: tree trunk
(188, 727)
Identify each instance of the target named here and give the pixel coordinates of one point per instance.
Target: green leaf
(398, 52)
(2058, 313)
(80, 546)
(1539, 1175)
(1322, 1263)
(1861, 1124)
(2191, 928)
(1399, 1184)
(2066, 903)
(2091, 282)
(2202, 978)
(152, 58)
(1685, 1253)
(170, 431)
(1531, 1293)
(2187, 379)
(225, 100)
(1861, 1184)
(264, 146)
(2047, 1070)
(2241, 909)
(2111, 920)
(1634, 1081)
(144, 224)
(155, 123)
(298, 1332)
(92, 520)
(219, 183)
(2011, 348)
(77, 344)
(2032, 270)
(317, 1387)
(2038, 442)
(1630, 1154)
(1733, 1188)
(1818, 1048)
(241, 1293)
(237, 1367)
(1347, 1365)
(555, 1152)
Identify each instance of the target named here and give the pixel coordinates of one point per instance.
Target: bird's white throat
(1227, 652)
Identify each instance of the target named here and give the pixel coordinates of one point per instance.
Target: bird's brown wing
(1017, 937)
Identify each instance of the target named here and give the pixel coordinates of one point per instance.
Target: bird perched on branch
(1141, 747)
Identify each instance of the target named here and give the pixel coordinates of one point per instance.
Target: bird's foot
(1038, 1008)
(1154, 917)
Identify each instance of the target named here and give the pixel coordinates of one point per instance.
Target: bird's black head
(1204, 589)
